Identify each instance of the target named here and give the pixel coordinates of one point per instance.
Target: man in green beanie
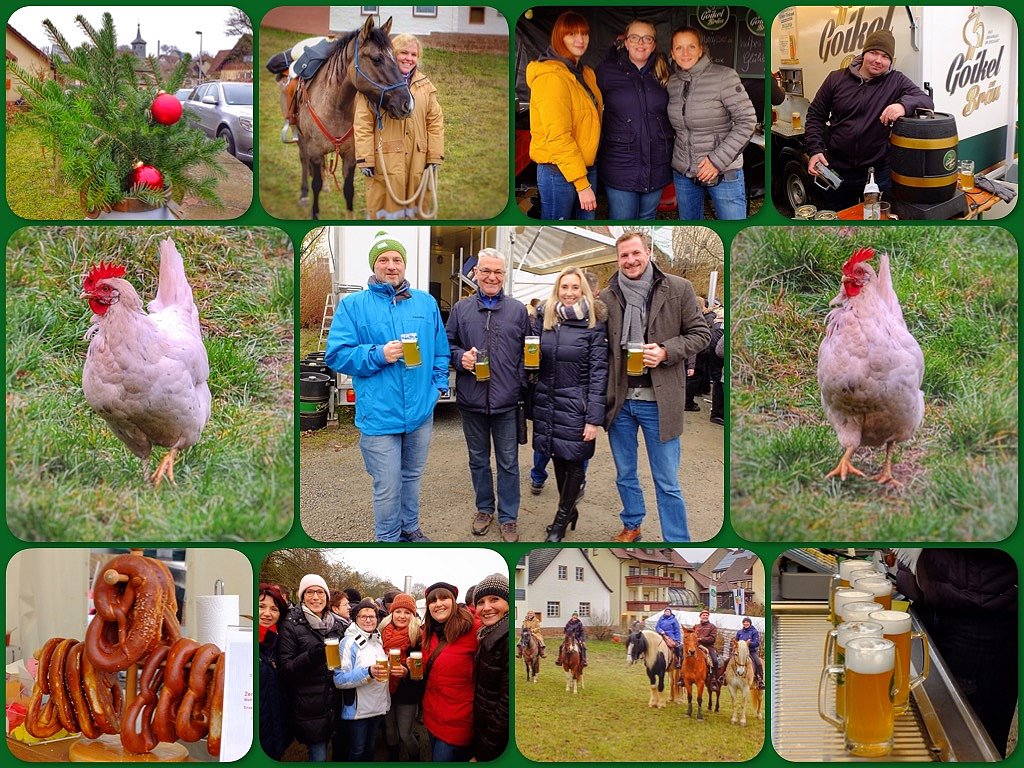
(859, 103)
(390, 339)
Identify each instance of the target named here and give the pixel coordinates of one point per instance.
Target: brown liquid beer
(879, 586)
(411, 350)
(897, 627)
(333, 656)
(870, 677)
(483, 366)
(835, 652)
(531, 353)
(635, 360)
(416, 665)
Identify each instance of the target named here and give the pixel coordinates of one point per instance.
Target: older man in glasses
(486, 332)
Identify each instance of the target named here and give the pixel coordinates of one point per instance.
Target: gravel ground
(336, 492)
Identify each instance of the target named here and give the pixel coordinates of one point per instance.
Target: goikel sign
(973, 71)
(845, 34)
(712, 17)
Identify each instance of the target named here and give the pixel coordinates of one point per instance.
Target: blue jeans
(728, 197)
(558, 197)
(318, 752)
(539, 470)
(664, 460)
(362, 738)
(480, 429)
(396, 462)
(443, 752)
(631, 206)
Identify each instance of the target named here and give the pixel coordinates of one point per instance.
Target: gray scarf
(635, 292)
(322, 624)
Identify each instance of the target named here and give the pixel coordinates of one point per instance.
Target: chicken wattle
(146, 373)
(870, 367)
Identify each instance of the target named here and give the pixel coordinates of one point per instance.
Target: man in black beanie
(859, 104)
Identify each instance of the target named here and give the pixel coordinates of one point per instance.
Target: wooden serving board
(108, 749)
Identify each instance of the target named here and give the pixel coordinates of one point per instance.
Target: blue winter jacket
(752, 636)
(669, 625)
(391, 399)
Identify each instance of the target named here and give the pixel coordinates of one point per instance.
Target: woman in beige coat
(400, 150)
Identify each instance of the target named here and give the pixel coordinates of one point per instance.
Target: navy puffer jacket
(636, 138)
(571, 387)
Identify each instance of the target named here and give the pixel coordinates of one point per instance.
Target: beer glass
(871, 671)
(835, 651)
(411, 350)
(394, 658)
(842, 579)
(635, 359)
(897, 626)
(415, 665)
(966, 175)
(483, 365)
(531, 353)
(796, 120)
(879, 586)
(382, 662)
(333, 656)
(846, 595)
(858, 611)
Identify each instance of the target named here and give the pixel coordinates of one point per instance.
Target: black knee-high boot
(569, 476)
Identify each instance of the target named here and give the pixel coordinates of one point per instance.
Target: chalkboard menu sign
(750, 48)
(733, 36)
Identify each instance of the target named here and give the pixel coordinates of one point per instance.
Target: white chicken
(870, 367)
(146, 374)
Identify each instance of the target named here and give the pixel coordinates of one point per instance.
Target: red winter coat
(448, 698)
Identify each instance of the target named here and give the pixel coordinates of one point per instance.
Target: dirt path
(335, 493)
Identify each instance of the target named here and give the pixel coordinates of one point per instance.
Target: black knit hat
(881, 40)
(470, 595)
(441, 585)
(496, 584)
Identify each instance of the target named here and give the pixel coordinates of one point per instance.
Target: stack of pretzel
(181, 688)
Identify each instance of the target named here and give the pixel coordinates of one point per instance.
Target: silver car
(224, 109)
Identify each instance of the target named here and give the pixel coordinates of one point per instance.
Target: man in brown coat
(659, 313)
(707, 634)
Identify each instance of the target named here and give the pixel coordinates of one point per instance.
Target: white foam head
(847, 567)
(849, 630)
(844, 596)
(893, 622)
(859, 611)
(870, 655)
(416, 655)
(876, 585)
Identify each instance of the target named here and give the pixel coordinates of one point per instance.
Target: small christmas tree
(96, 116)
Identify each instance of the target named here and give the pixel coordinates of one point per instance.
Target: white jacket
(360, 651)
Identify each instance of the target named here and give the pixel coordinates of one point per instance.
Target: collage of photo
(343, 441)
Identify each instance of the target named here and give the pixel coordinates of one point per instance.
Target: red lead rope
(332, 164)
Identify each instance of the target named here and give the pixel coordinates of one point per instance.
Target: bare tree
(238, 23)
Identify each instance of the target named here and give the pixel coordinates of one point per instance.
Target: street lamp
(200, 33)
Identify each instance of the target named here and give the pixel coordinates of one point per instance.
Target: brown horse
(572, 663)
(362, 61)
(695, 672)
(531, 654)
(739, 676)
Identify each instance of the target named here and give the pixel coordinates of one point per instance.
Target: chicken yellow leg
(165, 469)
(886, 476)
(845, 466)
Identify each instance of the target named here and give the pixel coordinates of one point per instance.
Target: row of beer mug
(393, 659)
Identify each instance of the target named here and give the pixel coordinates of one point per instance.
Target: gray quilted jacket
(712, 116)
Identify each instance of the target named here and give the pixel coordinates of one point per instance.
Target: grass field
(472, 89)
(68, 476)
(958, 290)
(609, 720)
(34, 188)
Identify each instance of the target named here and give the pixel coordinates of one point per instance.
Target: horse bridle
(383, 88)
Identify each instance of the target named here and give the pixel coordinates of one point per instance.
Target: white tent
(727, 621)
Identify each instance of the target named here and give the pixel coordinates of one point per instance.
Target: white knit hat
(310, 580)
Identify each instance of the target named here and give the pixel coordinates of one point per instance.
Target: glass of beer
(411, 350)
(966, 175)
(531, 353)
(879, 586)
(382, 664)
(795, 118)
(842, 579)
(333, 656)
(394, 658)
(635, 359)
(871, 670)
(415, 664)
(846, 595)
(898, 627)
(835, 652)
(859, 611)
(483, 365)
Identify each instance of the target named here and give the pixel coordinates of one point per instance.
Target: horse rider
(532, 625)
(707, 633)
(575, 628)
(753, 638)
(668, 628)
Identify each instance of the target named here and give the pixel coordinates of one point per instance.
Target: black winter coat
(501, 331)
(571, 387)
(966, 580)
(275, 731)
(635, 154)
(307, 683)
(490, 700)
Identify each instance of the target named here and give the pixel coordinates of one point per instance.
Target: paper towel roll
(214, 613)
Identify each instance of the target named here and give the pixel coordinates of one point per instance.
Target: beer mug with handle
(871, 672)
(878, 585)
(898, 627)
(846, 595)
(841, 580)
(835, 652)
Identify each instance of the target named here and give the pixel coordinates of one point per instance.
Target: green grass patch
(34, 188)
(68, 476)
(958, 291)
(472, 89)
(609, 719)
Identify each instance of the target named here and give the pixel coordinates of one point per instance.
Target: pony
(652, 648)
(531, 654)
(361, 61)
(572, 663)
(695, 673)
(739, 676)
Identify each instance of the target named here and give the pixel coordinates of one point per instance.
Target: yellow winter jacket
(565, 124)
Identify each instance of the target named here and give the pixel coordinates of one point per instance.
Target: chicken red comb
(101, 272)
(861, 254)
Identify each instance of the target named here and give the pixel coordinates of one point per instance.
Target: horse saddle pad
(309, 62)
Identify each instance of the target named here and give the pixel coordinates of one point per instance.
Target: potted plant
(109, 118)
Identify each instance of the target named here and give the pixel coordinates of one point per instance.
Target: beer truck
(964, 57)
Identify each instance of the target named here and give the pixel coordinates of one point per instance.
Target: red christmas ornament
(166, 109)
(147, 176)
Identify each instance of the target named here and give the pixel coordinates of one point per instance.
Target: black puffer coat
(571, 388)
(968, 580)
(275, 732)
(490, 700)
(305, 681)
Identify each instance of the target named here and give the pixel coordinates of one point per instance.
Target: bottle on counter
(872, 197)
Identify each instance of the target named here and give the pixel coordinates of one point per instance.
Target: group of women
(635, 127)
(458, 680)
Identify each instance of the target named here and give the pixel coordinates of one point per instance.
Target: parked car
(224, 109)
(182, 94)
